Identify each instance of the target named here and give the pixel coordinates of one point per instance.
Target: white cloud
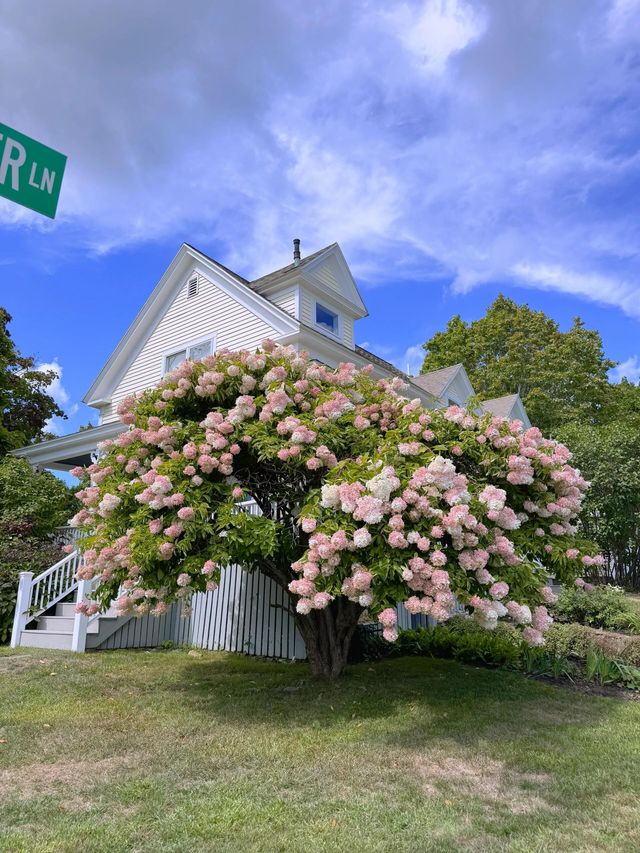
(629, 369)
(55, 389)
(598, 288)
(479, 140)
(411, 360)
(436, 30)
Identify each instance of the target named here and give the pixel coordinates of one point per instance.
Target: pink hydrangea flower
(388, 617)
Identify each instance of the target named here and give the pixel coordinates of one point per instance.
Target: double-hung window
(193, 352)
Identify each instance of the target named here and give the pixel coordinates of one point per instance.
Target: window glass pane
(326, 318)
(200, 350)
(175, 359)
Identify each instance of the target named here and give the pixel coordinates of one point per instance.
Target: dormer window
(192, 352)
(326, 319)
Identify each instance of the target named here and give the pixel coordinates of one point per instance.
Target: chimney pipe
(296, 251)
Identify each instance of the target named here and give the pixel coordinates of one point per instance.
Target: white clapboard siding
(329, 276)
(307, 309)
(210, 312)
(308, 318)
(347, 331)
(286, 299)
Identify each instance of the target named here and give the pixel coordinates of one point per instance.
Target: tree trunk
(327, 636)
(327, 633)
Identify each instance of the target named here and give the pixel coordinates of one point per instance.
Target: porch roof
(67, 451)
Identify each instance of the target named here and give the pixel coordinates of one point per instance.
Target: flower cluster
(379, 500)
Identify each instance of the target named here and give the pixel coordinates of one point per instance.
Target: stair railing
(35, 595)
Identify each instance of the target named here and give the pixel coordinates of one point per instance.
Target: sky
(456, 149)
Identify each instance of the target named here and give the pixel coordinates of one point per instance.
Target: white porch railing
(39, 594)
(67, 535)
(36, 595)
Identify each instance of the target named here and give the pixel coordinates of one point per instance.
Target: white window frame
(188, 346)
(320, 327)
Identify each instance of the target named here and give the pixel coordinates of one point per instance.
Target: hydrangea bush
(367, 500)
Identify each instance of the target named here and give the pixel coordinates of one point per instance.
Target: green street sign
(30, 173)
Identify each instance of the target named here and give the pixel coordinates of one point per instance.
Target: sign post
(30, 173)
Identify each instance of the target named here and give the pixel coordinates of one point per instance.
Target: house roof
(436, 381)
(156, 303)
(375, 359)
(218, 264)
(283, 272)
(501, 406)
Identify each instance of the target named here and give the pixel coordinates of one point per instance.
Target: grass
(168, 751)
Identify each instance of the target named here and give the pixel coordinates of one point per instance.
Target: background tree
(25, 405)
(609, 456)
(367, 500)
(32, 505)
(560, 376)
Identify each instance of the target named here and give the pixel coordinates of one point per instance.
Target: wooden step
(46, 639)
(66, 609)
(63, 624)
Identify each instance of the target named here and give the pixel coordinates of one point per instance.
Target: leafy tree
(25, 406)
(561, 376)
(367, 500)
(609, 457)
(32, 505)
(36, 498)
(623, 403)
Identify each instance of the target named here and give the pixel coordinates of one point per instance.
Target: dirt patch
(589, 688)
(37, 780)
(17, 663)
(484, 778)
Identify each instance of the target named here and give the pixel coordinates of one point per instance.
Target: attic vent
(192, 287)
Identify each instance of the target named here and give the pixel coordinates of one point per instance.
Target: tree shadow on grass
(513, 744)
(468, 698)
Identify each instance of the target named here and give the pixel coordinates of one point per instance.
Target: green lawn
(165, 751)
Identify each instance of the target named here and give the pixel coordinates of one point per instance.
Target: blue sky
(454, 149)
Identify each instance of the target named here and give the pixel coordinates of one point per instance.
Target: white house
(198, 306)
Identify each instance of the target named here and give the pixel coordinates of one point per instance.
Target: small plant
(627, 621)
(599, 668)
(629, 675)
(541, 663)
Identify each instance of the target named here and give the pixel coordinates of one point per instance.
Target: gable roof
(326, 273)
(277, 275)
(501, 406)
(436, 381)
(186, 259)
(375, 359)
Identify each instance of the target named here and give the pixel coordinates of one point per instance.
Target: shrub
(469, 644)
(32, 505)
(603, 607)
(576, 640)
(367, 644)
(465, 641)
(20, 553)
